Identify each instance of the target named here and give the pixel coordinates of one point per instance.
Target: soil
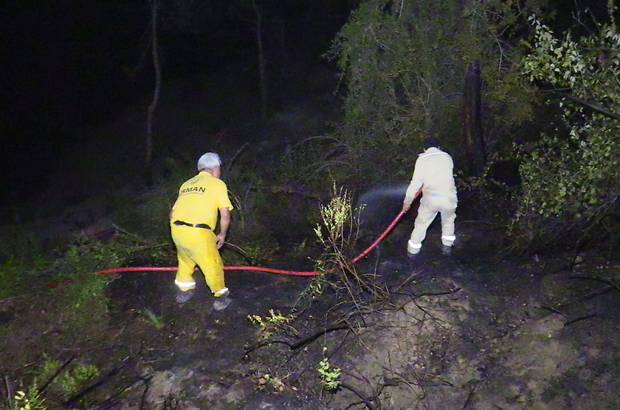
(473, 330)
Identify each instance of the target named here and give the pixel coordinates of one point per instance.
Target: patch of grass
(12, 281)
(328, 374)
(153, 319)
(271, 324)
(29, 400)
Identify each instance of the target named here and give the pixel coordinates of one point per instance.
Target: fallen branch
(51, 379)
(299, 344)
(588, 296)
(442, 293)
(73, 400)
(112, 401)
(234, 157)
(315, 336)
(579, 319)
(554, 310)
(470, 396)
(595, 107)
(9, 393)
(10, 299)
(365, 400)
(599, 279)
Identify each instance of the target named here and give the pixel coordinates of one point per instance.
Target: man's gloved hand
(406, 206)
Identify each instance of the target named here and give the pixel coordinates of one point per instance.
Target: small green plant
(338, 232)
(272, 323)
(268, 381)
(153, 318)
(328, 374)
(334, 217)
(48, 368)
(69, 380)
(260, 252)
(301, 250)
(30, 400)
(11, 278)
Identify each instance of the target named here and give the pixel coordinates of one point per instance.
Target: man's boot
(412, 256)
(184, 296)
(222, 301)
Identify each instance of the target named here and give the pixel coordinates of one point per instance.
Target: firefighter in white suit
(432, 177)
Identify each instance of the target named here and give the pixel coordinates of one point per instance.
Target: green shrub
(64, 382)
(570, 178)
(29, 400)
(337, 233)
(12, 281)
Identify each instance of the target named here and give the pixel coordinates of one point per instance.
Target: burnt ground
(477, 330)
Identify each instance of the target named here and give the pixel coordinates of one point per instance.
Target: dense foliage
(404, 66)
(570, 179)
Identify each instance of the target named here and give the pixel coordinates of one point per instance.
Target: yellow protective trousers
(430, 206)
(197, 246)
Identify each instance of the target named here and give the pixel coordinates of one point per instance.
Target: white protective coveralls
(433, 174)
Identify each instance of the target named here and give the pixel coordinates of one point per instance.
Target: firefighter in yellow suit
(193, 223)
(433, 176)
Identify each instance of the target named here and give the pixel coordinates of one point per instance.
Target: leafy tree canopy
(571, 176)
(404, 63)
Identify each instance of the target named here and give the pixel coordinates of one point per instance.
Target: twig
(592, 106)
(51, 379)
(144, 393)
(241, 251)
(110, 401)
(470, 396)
(598, 292)
(72, 401)
(606, 281)
(588, 296)
(554, 310)
(10, 299)
(263, 344)
(365, 400)
(317, 137)
(415, 297)
(579, 319)
(295, 346)
(411, 277)
(230, 163)
(9, 394)
(315, 336)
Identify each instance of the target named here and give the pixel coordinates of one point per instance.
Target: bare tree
(472, 119)
(151, 110)
(261, 58)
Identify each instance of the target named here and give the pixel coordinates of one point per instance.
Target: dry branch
(294, 346)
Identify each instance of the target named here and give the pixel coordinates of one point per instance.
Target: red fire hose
(259, 268)
(252, 268)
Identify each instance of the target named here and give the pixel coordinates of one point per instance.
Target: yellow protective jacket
(199, 200)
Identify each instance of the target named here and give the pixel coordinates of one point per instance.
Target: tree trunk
(148, 175)
(472, 120)
(261, 59)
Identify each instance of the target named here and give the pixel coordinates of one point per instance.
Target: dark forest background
(70, 67)
(357, 84)
(318, 109)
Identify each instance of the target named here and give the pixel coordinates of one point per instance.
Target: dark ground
(481, 330)
(499, 333)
